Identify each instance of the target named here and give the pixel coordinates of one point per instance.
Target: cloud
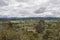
(3, 3)
(29, 8)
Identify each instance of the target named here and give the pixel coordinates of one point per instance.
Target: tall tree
(40, 26)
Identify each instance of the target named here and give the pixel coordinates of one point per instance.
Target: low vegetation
(30, 30)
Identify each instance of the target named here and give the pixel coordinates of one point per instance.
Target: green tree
(40, 26)
(9, 25)
(46, 35)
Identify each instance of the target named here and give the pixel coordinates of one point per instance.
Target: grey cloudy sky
(29, 8)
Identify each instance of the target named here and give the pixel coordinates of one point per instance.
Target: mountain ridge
(28, 18)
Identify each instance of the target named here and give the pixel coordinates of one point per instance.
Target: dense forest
(30, 30)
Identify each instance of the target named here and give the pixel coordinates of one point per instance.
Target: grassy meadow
(30, 30)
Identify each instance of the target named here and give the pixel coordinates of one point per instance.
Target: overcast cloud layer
(29, 8)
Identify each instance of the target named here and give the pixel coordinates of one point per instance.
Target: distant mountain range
(28, 18)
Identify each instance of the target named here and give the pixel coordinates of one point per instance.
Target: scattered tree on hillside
(40, 26)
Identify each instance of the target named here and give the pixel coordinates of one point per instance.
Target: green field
(30, 30)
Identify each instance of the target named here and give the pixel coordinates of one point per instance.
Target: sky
(29, 8)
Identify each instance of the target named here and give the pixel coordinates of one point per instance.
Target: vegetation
(30, 30)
